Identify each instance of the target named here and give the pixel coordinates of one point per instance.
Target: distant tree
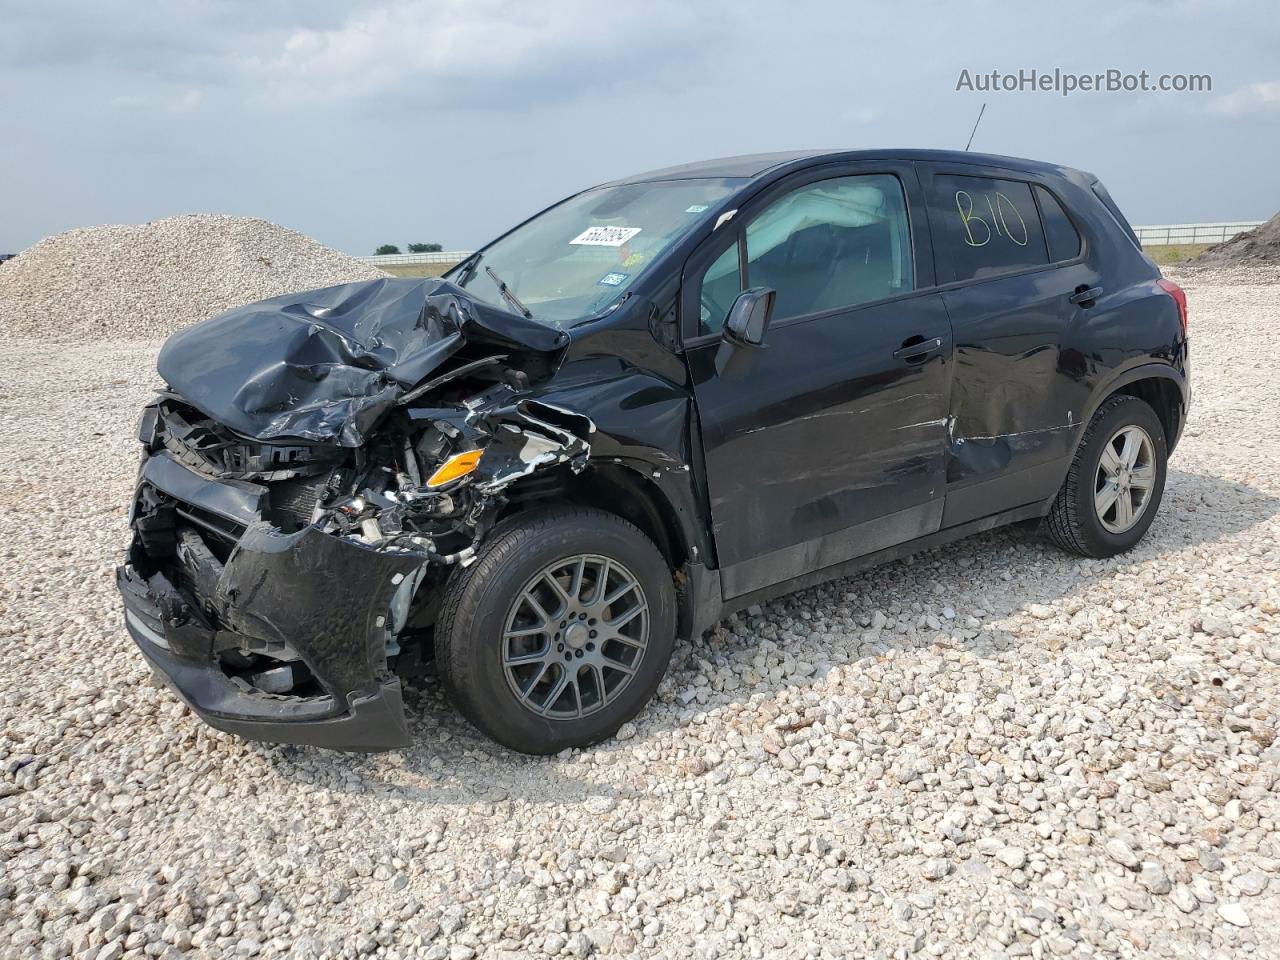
(386, 248)
(425, 248)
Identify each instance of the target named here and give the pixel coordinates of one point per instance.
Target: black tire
(479, 599)
(1072, 522)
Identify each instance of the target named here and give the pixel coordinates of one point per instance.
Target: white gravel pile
(143, 282)
(991, 750)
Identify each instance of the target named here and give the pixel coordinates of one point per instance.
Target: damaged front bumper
(305, 613)
(373, 722)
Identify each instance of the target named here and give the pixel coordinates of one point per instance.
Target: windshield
(575, 260)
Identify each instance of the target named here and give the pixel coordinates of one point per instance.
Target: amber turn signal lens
(459, 465)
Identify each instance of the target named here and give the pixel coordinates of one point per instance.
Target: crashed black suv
(658, 401)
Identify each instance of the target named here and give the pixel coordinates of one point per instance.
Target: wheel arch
(655, 494)
(617, 488)
(1161, 386)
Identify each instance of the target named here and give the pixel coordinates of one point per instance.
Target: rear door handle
(1085, 295)
(917, 351)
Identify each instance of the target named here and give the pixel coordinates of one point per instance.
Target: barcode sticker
(605, 236)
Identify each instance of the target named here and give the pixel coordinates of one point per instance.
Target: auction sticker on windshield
(605, 236)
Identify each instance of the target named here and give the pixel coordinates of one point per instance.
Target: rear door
(829, 441)
(1010, 261)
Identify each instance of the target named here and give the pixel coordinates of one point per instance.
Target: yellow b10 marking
(998, 221)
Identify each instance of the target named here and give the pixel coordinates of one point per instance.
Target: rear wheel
(1115, 483)
(559, 631)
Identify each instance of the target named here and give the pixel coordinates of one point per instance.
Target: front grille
(293, 501)
(210, 448)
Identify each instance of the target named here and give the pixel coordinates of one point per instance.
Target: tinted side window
(988, 226)
(836, 243)
(1064, 242)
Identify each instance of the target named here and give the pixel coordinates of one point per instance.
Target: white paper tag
(605, 236)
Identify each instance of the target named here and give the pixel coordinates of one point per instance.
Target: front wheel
(1115, 483)
(559, 631)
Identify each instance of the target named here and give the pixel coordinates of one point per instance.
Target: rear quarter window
(987, 226)
(1059, 232)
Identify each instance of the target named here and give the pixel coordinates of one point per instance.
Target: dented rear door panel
(1019, 390)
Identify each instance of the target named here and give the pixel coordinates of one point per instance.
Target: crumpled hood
(325, 365)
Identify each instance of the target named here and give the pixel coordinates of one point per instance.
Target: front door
(829, 442)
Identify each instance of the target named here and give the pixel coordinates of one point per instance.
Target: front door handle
(917, 349)
(1085, 295)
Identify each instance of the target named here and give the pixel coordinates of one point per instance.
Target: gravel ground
(991, 749)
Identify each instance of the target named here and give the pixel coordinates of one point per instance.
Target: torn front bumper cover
(309, 601)
(374, 722)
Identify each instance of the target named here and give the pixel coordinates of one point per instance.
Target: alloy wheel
(1126, 476)
(575, 636)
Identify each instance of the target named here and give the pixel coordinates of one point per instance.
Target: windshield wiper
(507, 295)
(468, 269)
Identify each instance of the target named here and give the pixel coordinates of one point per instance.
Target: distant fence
(403, 259)
(1167, 233)
(1164, 233)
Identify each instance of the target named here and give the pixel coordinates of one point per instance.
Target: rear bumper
(1186, 395)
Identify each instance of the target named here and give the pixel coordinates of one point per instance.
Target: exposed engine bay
(432, 481)
(429, 483)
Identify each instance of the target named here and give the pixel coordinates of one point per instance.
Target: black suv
(656, 402)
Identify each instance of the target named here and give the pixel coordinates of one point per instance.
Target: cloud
(180, 101)
(188, 101)
(178, 42)
(274, 108)
(1253, 98)
(467, 49)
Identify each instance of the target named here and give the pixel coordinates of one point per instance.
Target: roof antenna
(975, 126)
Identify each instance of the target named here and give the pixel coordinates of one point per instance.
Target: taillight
(1179, 297)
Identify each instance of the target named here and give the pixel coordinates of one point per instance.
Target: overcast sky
(448, 120)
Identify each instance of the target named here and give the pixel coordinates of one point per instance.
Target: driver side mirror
(748, 319)
(746, 324)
